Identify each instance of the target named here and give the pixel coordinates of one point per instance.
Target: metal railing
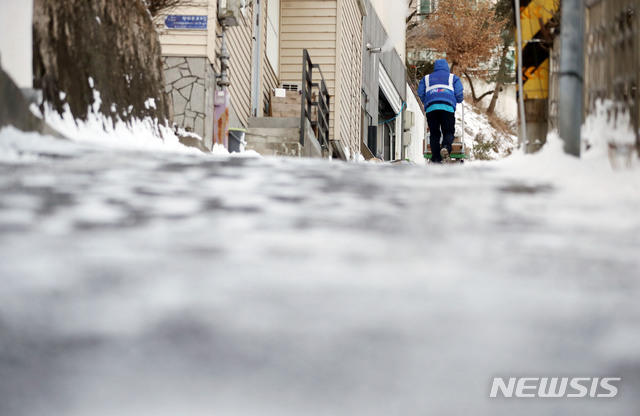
(322, 102)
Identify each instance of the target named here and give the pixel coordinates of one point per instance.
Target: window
(426, 6)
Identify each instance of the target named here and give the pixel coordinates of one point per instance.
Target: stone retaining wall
(188, 82)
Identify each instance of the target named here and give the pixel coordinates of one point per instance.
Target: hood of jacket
(441, 65)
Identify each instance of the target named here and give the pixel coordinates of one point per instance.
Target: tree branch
(473, 90)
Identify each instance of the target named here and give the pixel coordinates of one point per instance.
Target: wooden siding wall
(311, 25)
(268, 74)
(239, 43)
(348, 103)
(187, 42)
(183, 43)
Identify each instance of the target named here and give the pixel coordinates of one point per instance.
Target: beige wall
(269, 79)
(310, 24)
(331, 30)
(191, 42)
(239, 44)
(349, 67)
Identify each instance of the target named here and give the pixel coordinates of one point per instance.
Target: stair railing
(322, 102)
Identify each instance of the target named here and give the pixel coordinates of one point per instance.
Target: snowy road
(138, 283)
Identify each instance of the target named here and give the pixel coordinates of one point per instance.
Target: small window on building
(427, 6)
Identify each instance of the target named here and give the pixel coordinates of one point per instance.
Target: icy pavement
(139, 283)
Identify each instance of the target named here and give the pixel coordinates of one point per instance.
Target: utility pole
(570, 103)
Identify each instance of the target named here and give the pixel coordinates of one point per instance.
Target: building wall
(386, 65)
(190, 42)
(240, 48)
(376, 35)
(270, 79)
(332, 32)
(415, 150)
(188, 57)
(239, 44)
(311, 25)
(392, 15)
(185, 45)
(348, 86)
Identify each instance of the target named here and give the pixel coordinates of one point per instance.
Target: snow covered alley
(162, 283)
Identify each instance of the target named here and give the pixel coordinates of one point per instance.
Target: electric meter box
(406, 138)
(408, 120)
(229, 12)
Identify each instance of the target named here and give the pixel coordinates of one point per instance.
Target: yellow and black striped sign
(536, 15)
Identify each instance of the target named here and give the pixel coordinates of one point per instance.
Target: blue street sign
(186, 22)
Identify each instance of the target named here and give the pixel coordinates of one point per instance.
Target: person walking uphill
(440, 92)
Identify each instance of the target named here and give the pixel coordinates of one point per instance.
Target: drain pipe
(221, 99)
(223, 80)
(255, 60)
(523, 119)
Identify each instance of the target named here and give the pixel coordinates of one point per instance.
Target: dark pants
(437, 120)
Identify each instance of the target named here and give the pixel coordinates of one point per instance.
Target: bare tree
(412, 4)
(468, 33)
(504, 10)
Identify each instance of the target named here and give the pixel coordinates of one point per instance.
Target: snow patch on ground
(146, 134)
(18, 146)
(482, 140)
(219, 150)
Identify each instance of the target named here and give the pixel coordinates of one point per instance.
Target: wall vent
(291, 87)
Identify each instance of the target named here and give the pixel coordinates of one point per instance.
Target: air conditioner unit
(229, 12)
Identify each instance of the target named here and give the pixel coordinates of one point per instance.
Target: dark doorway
(386, 128)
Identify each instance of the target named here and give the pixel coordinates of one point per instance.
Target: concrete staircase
(274, 136)
(280, 136)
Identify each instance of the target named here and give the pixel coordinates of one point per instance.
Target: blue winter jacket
(440, 87)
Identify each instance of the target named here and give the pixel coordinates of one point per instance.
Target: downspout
(255, 61)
